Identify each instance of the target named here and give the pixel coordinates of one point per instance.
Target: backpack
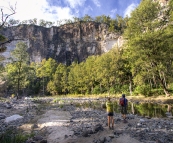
(122, 101)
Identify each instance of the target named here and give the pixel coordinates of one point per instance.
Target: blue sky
(53, 10)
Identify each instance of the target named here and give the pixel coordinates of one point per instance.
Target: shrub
(143, 89)
(96, 90)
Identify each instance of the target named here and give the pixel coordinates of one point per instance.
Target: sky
(53, 10)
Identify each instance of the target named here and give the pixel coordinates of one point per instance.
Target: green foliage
(56, 100)
(14, 136)
(2, 38)
(158, 91)
(18, 69)
(143, 89)
(96, 90)
(149, 46)
(125, 89)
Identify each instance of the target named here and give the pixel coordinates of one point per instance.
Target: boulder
(13, 118)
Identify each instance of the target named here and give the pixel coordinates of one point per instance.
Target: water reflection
(169, 108)
(150, 109)
(143, 109)
(147, 109)
(132, 108)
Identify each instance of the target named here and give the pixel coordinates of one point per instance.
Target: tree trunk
(163, 83)
(43, 86)
(18, 88)
(165, 88)
(130, 86)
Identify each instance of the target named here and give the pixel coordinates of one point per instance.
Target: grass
(14, 136)
(83, 96)
(58, 98)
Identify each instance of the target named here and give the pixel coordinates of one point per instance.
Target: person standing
(110, 113)
(123, 104)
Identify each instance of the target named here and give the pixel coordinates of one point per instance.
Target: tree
(46, 71)
(59, 83)
(18, 68)
(87, 18)
(4, 18)
(149, 45)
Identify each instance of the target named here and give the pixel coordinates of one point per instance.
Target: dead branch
(4, 18)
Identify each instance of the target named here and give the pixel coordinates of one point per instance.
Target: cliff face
(65, 44)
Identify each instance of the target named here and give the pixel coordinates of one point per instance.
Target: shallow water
(148, 109)
(141, 109)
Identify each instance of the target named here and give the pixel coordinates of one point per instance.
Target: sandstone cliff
(65, 44)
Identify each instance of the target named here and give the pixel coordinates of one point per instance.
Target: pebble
(88, 121)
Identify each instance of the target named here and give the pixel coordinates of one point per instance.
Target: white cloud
(113, 12)
(97, 3)
(87, 9)
(75, 3)
(129, 9)
(40, 9)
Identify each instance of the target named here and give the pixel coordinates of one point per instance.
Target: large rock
(13, 118)
(2, 116)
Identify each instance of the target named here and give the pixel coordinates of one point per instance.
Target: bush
(158, 91)
(143, 89)
(125, 89)
(96, 90)
(112, 90)
(14, 136)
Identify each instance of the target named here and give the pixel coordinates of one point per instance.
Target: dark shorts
(123, 110)
(110, 114)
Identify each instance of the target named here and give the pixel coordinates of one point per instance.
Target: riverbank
(70, 120)
(138, 98)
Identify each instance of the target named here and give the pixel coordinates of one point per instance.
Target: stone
(34, 126)
(85, 134)
(139, 125)
(118, 132)
(107, 139)
(8, 106)
(97, 128)
(43, 141)
(159, 141)
(2, 116)
(13, 118)
(102, 139)
(141, 120)
(37, 138)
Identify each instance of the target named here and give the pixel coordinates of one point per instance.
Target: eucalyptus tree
(98, 19)
(76, 19)
(46, 71)
(17, 69)
(104, 72)
(13, 22)
(72, 78)
(59, 84)
(149, 45)
(87, 18)
(76, 74)
(3, 22)
(89, 69)
(34, 84)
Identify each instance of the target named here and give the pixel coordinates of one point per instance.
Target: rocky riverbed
(73, 121)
